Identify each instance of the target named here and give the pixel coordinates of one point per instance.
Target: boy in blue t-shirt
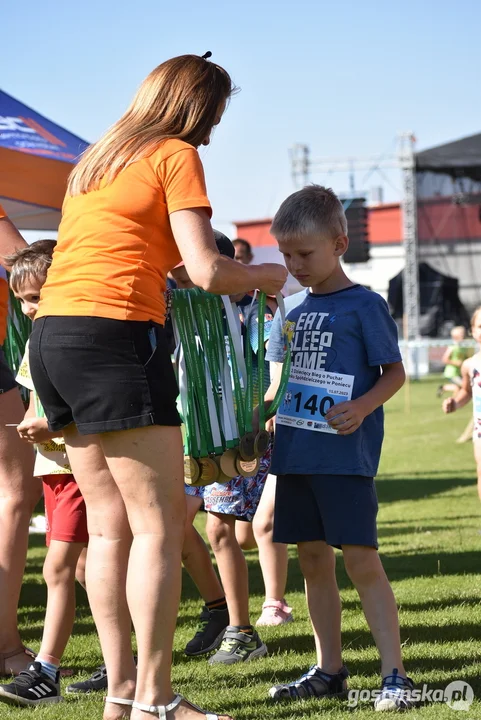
(329, 430)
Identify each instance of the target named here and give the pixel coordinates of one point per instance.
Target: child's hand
(449, 405)
(346, 417)
(270, 423)
(34, 430)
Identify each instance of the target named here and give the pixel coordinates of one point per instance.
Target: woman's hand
(272, 277)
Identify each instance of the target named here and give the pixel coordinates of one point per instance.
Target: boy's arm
(30, 411)
(346, 417)
(464, 394)
(447, 355)
(447, 360)
(276, 373)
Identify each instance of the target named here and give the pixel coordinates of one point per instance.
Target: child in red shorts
(65, 511)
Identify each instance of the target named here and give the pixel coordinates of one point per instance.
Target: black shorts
(7, 380)
(102, 374)
(339, 509)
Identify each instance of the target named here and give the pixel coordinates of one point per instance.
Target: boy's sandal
(162, 710)
(30, 655)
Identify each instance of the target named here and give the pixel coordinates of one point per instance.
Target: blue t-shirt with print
(349, 332)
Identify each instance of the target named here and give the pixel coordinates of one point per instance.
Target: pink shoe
(275, 612)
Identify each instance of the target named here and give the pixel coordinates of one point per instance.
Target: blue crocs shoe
(396, 693)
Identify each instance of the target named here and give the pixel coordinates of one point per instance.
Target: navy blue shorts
(339, 509)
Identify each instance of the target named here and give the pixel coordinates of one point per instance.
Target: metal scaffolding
(407, 162)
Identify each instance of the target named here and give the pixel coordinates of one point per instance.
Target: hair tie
(207, 55)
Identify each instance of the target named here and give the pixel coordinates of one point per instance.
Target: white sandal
(119, 701)
(162, 710)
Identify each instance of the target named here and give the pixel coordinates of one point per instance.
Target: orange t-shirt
(3, 296)
(115, 245)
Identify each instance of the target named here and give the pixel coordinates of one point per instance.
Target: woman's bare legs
(148, 470)
(19, 493)
(107, 560)
(80, 569)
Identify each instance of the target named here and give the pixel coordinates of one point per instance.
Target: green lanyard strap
(286, 367)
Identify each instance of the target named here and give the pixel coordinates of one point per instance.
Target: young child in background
(453, 358)
(65, 511)
(471, 390)
(329, 429)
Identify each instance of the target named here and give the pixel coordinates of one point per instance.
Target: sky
(345, 78)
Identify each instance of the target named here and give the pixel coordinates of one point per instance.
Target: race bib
(309, 396)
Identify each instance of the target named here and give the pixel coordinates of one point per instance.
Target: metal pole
(300, 163)
(410, 241)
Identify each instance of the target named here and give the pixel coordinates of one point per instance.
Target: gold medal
(261, 443)
(223, 478)
(228, 462)
(247, 468)
(246, 446)
(209, 471)
(191, 470)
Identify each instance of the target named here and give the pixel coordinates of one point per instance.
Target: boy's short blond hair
(314, 210)
(29, 263)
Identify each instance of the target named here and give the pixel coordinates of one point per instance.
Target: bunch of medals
(214, 361)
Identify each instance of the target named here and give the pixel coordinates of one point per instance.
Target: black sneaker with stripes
(31, 687)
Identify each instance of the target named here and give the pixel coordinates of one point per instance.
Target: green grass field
(430, 542)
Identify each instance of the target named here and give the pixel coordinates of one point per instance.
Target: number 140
(325, 404)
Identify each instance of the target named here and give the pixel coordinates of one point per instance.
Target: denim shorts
(102, 374)
(339, 509)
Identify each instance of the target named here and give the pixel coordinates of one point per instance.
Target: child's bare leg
(232, 566)
(477, 457)
(364, 567)
(272, 556)
(196, 556)
(318, 565)
(245, 535)
(80, 569)
(59, 573)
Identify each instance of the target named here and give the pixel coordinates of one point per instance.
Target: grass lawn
(430, 542)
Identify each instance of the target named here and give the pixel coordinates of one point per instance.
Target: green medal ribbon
(212, 307)
(186, 389)
(261, 358)
(196, 382)
(286, 367)
(217, 396)
(212, 368)
(236, 359)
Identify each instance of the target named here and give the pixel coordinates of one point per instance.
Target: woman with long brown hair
(136, 204)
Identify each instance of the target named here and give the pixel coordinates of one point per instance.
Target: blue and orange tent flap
(36, 157)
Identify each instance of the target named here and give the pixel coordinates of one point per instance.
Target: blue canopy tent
(36, 157)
